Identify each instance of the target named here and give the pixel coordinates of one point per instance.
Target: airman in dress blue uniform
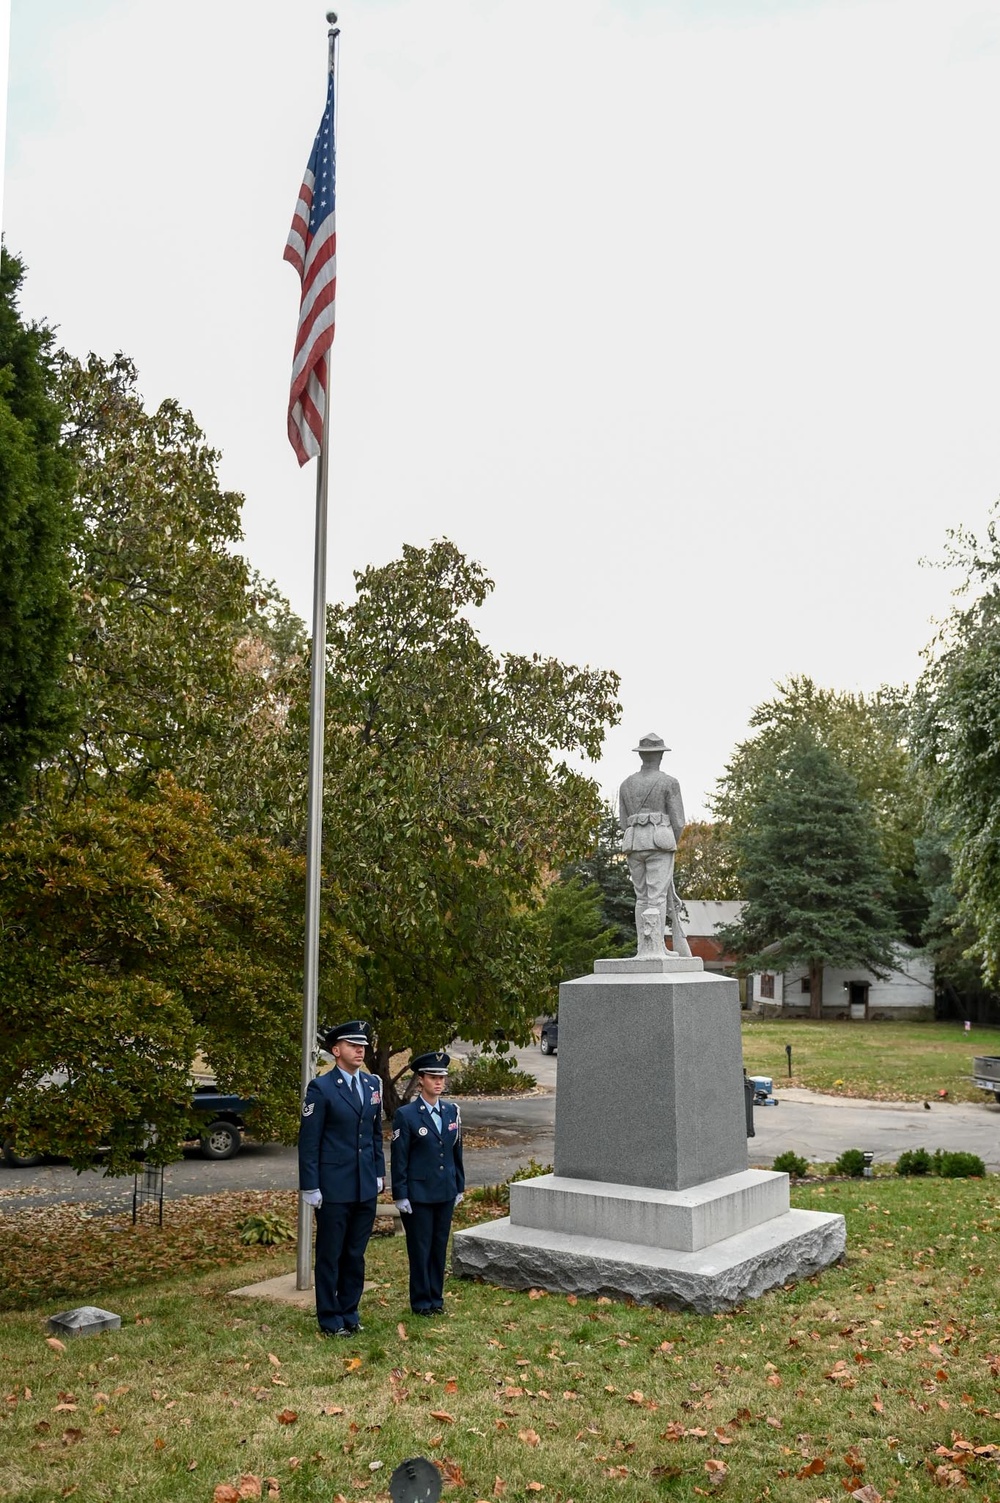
(341, 1172)
(428, 1179)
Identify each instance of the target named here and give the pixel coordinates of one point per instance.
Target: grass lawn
(878, 1061)
(881, 1374)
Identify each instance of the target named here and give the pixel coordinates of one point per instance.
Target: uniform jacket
(424, 1166)
(340, 1141)
(650, 812)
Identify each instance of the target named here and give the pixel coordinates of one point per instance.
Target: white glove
(404, 1207)
(313, 1197)
(459, 1197)
(381, 1183)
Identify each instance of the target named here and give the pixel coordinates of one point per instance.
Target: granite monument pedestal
(651, 1198)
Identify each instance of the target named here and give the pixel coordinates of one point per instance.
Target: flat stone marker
(86, 1320)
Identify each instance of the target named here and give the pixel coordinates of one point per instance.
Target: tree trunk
(815, 989)
(380, 1066)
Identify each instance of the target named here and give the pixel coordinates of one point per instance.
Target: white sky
(683, 316)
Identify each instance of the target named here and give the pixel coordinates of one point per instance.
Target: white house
(907, 992)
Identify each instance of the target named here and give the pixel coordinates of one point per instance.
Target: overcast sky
(683, 316)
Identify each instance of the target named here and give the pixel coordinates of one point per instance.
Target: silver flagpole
(314, 830)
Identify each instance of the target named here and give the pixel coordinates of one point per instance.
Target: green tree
(607, 868)
(136, 939)
(36, 532)
(163, 597)
(574, 933)
(957, 735)
(869, 737)
(814, 879)
(448, 800)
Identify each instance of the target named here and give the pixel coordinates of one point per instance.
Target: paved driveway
(509, 1131)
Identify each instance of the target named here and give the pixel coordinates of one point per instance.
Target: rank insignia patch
(309, 1108)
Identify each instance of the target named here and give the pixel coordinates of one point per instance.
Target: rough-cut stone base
(719, 1277)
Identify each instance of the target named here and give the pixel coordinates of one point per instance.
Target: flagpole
(314, 822)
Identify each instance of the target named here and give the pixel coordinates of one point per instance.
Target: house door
(858, 997)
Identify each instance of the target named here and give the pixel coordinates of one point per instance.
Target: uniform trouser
(652, 873)
(342, 1233)
(427, 1227)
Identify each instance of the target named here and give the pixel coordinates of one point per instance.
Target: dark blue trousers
(427, 1227)
(342, 1233)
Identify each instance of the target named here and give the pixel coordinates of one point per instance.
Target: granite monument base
(719, 1277)
(651, 1198)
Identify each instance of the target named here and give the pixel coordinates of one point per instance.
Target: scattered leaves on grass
(443, 1416)
(530, 1437)
(814, 1468)
(287, 1417)
(351, 1364)
(55, 1343)
(401, 1332)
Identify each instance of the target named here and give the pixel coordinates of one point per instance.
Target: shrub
(791, 1163)
(500, 1194)
(851, 1162)
(914, 1161)
(958, 1165)
(490, 1075)
(266, 1229)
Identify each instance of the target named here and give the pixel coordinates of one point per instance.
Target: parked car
(221, 1137)
(986, 1073)
(549, 1041)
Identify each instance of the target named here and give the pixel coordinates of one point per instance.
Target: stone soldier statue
(341, 1173)
(651, 818)
(428, 1179)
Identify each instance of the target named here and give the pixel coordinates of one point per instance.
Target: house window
(804, 984)
(767, 986)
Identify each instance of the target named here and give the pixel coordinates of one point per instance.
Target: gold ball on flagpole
(331, 16)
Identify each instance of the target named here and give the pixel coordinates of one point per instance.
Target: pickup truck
(986, 1073)
(221, 1137)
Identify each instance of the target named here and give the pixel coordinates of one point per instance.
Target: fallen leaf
(812, 1468)
(65, 1409)
(443, 1416)
(55, 1343)
(571, 1299)
(401, 1332)
(273, 1487)
(867, 1494)
(293, 1463)
(537, 1293)
(635, 1397)
(70, 1437)
(275, 1361)
(192, 1466)
(722, 1437)
(287, 1417)
(717, 1470)
(602, 1299)
(530, 1437)
(224, 1493)
(159, 1444)
(773, 1380)
(248, 1486)
(499, 1487)
(351, 1364)
(332, 1409)
(538, 1487)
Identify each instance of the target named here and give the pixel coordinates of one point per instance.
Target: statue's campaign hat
(354, 1032)
(431, 1064)
(651, 743)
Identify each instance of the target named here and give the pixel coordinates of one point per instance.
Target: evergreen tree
(36, 529)
(817, 888)
(607, 869)
(573, 929)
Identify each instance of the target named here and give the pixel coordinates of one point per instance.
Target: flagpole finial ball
(331, 16)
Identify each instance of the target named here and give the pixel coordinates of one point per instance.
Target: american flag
(312, 250)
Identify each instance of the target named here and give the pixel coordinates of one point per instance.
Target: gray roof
(703, 918)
